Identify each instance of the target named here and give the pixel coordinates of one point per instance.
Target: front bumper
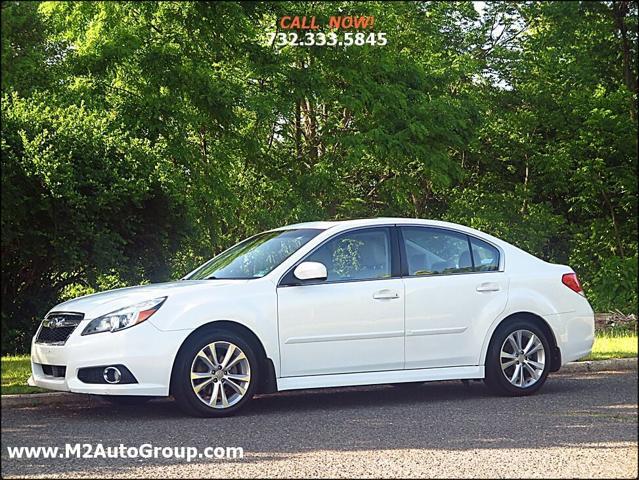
(146, 351)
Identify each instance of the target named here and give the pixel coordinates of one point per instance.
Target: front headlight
(124, 318)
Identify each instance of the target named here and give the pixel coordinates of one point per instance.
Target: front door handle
(385, 294)
(488, 287)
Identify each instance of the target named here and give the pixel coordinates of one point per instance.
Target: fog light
(112, 375)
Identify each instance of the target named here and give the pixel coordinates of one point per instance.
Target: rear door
(453, 289)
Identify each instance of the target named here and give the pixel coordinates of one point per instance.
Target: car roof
(315, 225)
(344, 224)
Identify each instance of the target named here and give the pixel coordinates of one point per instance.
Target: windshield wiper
(213, 277)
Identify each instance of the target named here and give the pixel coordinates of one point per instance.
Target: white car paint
(341, 328)
(363, 332)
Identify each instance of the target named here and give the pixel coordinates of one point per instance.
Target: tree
(139, 139)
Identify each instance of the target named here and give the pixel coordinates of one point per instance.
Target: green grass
(16, 369)
(613, 345)
(15, 372)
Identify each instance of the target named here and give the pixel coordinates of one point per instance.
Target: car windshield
(255, 256)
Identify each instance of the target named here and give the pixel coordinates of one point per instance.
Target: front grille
(57, 326)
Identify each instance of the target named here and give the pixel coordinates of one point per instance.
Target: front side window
(256, 256)
(358, 255)
(431, 251)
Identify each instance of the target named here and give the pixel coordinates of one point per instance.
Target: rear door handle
(488, 287)
(385, 295)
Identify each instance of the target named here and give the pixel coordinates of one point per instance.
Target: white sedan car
(323, 304)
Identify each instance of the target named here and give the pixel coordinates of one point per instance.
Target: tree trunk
(619, 12)
(524, 205)
(298, 129)
(614, 223)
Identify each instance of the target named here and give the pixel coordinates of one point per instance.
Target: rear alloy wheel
(523, 358)
(215, 374)
(517, 362)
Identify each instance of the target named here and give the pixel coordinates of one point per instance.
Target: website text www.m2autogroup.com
(146, 450)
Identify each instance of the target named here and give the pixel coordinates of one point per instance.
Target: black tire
(128, 400)
(181, 387)
(495, 378)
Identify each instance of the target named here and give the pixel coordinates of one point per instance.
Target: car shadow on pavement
(585, 410)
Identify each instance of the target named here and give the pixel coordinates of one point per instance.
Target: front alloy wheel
(215, 373)
(220, 374)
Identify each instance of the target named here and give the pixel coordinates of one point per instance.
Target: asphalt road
(578, 426)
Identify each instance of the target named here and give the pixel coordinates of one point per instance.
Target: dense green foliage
(138, 139)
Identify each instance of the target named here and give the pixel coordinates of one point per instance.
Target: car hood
(102, 303)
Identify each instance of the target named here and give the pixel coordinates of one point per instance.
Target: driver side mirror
(310, 271)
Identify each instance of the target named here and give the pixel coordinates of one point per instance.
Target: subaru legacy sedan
(323, 304)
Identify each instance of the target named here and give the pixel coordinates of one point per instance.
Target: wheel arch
(268, 383)
(555, 354)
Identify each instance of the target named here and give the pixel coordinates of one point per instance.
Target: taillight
(572, 282)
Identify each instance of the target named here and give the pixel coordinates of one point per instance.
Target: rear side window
(485, 256)
(431, 251)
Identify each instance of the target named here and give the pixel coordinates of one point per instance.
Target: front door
(351, 322)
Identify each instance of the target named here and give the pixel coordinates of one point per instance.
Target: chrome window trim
(502, 260)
